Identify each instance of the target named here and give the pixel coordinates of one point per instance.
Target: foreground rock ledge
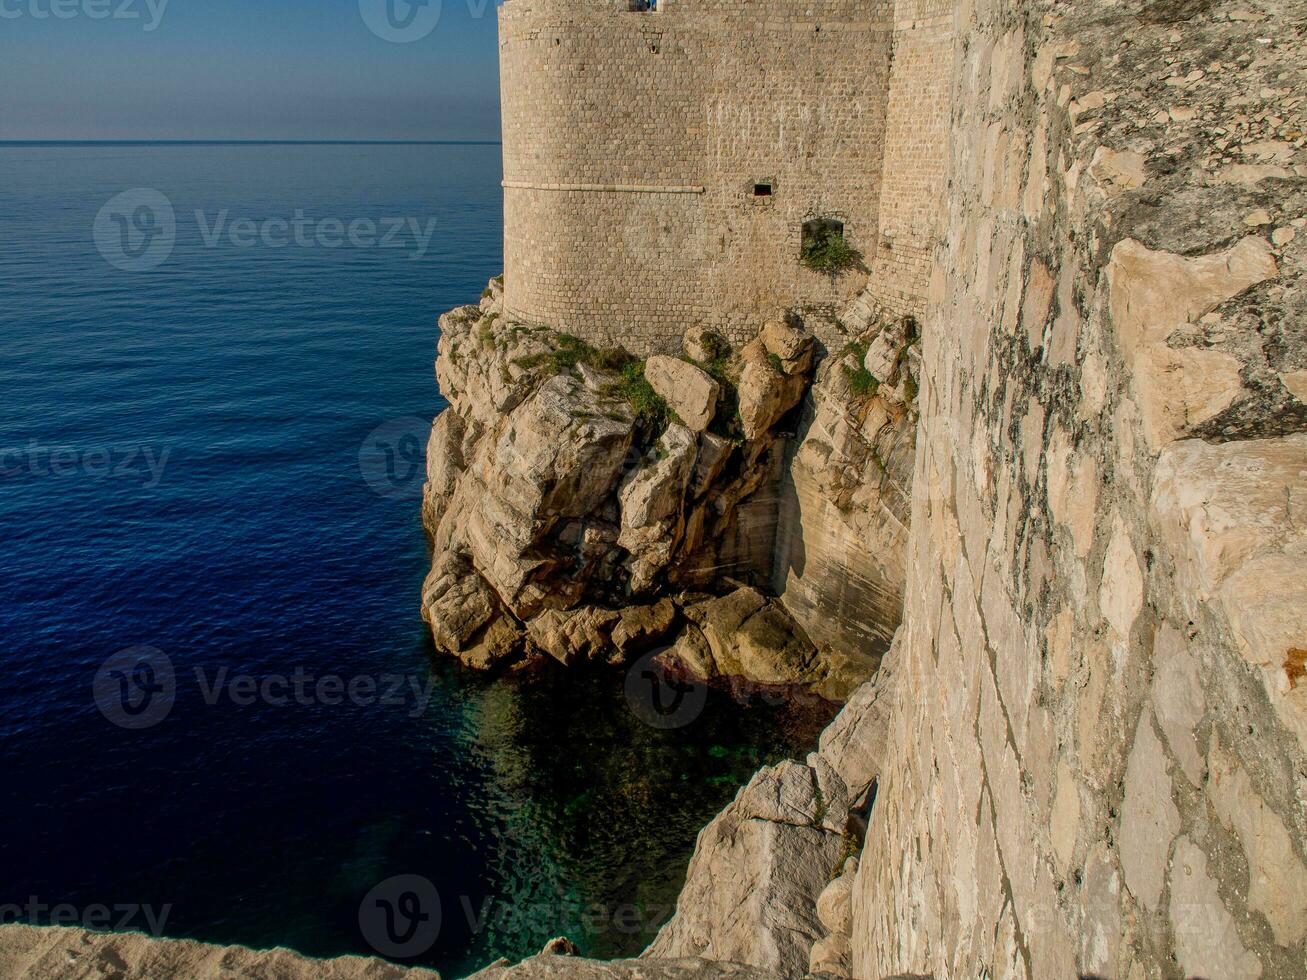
(51, 953)
(75, 954)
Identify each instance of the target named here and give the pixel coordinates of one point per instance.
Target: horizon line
(243, 142)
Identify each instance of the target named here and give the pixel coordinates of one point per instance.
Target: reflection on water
(254, 376)
(595, 812)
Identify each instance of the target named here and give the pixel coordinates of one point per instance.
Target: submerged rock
(751, 890)
(772, 877)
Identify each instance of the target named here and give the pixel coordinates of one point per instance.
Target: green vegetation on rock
(571, 351)
(649, 407)
(825, 250)
(862, 383)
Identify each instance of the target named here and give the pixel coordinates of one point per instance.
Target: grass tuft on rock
(650, 408)
(862, 383)
(570, 351)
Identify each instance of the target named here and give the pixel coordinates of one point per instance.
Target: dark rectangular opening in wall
(762, 190)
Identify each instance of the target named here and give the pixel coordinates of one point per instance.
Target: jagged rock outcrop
(846, 494)
(553, 966)
(744, 634)
(757, 871)
(53, 953)
(773, 377)
(690, 392)
(760, 869)
(585, 506)
(832, 955)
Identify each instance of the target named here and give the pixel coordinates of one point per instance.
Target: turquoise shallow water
(181, 471)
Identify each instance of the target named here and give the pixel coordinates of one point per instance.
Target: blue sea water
(182, 472)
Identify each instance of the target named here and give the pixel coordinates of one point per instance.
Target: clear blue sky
(247, 69)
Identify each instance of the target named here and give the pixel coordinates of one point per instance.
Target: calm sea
(216, 362)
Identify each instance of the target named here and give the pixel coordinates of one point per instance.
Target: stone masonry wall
(633, 142)
(1096, 759)
(912, 186)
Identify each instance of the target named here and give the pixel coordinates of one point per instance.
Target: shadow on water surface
(596, 811)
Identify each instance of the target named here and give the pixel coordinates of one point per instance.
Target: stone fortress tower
(660, 166)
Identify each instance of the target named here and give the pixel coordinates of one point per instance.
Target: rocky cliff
(1087, 753)
(54, 953)
(1084, 755)
(1096, 759)
(587, 506)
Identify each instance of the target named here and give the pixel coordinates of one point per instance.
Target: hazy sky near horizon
(248, 69)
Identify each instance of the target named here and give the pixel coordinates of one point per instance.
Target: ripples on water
(259, 372)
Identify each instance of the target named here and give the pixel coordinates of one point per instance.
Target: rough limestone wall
(1096, 757)
(633, 141)
(912, 188)
(845, 501)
